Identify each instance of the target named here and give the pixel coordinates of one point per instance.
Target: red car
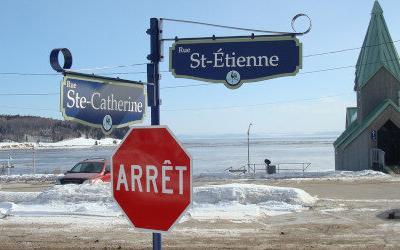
(88, 171)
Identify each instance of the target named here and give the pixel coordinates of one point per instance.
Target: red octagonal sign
(152, 178)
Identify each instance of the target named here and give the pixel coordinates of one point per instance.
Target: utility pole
(33, 159)
(153, 88)
(248, 148)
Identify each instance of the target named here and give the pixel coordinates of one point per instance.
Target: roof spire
(377, 50)
(377, 8)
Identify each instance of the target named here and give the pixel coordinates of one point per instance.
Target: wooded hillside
(38, 129)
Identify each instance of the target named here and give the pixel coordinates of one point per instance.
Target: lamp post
(9, 165)
(33, 160)
(248, 147)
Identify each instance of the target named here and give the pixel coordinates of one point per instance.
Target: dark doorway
(389, 141)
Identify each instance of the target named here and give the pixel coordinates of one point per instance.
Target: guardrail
(237, 170)
(304, 166)
(282, 166)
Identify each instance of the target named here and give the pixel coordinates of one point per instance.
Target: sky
(109, 33)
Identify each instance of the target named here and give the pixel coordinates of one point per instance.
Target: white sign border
(191, 179)
(99, 80)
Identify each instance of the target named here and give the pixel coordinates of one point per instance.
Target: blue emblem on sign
(102, 102)
(236, 60)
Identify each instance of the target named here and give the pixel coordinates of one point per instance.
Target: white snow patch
(247, 201)
(29, 177)
(17, 197)
(366, 209)
(69, 143)
(236, 202)
(81, 142)
(300, 176)
(17, 145)
(251, 194)
(336, 209)
(5, 208)
(62, 200)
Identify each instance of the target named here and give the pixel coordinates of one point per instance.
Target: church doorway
(389, 141)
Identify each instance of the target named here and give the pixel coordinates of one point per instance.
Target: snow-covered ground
(29, 177)
(239, 202)
(329, 175)
(301, 176)
(236, 202)
(70, 143)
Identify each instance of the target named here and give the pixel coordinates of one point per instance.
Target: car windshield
(88, 167)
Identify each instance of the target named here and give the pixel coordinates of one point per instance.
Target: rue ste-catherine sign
(236, 60)
(102, 102)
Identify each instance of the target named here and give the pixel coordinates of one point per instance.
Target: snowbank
(251, 194)
(76, 193)
(18, 197)
(244, 202)
(236, 202)
(328, 175)
(29, 177)
(81, 142)
(75, 143)
(332, 175)
(16, 145)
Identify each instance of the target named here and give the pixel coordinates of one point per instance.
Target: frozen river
(209, 154)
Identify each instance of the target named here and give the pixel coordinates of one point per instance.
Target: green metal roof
(356, 128)
(351, 115)
(377, 50)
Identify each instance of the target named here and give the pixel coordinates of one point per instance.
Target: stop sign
(152, 178)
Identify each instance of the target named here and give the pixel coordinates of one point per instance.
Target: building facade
(371, 139)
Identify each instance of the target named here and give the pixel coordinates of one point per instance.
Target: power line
(199, 84)
(209, 108)
(111, 67)
(84, 69)
(28, 94)
(29, 74)
(255, 105)
(29, 108)
(349, 49)
(129, 73)
(58, 74)
(144, 72)
(327, 69)
(186, 86)
(300, 73)
(209, 84)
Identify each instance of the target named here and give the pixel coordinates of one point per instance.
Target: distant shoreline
(70, 143)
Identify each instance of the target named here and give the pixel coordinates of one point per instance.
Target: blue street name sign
(236, 60)
(102, 102)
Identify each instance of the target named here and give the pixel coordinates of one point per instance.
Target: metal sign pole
(153, 89)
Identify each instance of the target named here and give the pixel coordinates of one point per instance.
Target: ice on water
(210, 154)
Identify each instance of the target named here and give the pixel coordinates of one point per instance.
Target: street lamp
(248, 147)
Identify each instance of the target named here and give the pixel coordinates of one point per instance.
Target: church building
(371, 139)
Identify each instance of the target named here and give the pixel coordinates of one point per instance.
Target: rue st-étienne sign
(236, 60)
